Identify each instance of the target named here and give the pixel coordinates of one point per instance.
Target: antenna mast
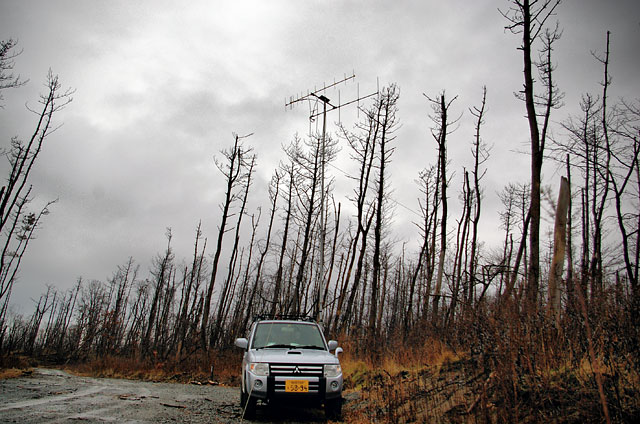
(315, 96)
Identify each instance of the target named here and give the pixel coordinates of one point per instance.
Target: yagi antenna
(318, 94)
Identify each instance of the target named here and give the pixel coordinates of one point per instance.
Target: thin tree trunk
(559, 250)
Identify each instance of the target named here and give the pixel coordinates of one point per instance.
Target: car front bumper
(271, 387)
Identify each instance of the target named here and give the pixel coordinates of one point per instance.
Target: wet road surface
(54, 396)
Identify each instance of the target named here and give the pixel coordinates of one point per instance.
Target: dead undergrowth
(201, 368)
(506, 372)
(464, 391)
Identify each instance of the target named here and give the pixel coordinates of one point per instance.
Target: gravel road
(54, 396)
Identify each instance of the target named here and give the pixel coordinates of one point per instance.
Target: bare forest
(545, 327)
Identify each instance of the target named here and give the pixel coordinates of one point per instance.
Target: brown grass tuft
(6, 373)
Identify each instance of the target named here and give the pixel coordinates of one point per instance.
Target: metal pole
(322, 201)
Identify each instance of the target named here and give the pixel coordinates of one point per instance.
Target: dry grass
(15, 361)
(12, 373)
(219, 367)
(404, 384)
(399, 357)
(435, 384)
(12, 366)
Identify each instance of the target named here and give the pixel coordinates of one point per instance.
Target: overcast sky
(160, 86)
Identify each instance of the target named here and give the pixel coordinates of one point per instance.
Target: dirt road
(53, 396)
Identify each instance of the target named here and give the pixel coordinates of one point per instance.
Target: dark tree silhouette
(529, 18)
(18, 224)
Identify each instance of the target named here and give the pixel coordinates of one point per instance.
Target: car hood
(288, 356)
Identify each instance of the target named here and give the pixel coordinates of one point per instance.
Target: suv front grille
(301, 370)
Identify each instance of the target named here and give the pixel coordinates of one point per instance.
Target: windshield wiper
(279, 346)
(288, 346)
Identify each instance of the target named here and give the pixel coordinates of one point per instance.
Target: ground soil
(54, 396)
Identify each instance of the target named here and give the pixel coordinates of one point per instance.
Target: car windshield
(287, 335)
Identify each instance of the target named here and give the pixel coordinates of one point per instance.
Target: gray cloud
(160, 87)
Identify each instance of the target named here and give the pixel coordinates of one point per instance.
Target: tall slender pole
(322, 217)
(319, 307)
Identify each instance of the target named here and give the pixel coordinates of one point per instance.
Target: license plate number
(296, 386)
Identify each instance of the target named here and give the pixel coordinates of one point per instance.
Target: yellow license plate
(296, 386)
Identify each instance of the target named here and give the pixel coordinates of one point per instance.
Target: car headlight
(259, 368)
(332, 370)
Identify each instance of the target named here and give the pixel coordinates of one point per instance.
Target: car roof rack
(290, 317)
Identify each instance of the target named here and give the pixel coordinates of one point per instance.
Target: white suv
(290, 359)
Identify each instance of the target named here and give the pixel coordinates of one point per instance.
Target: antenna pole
(311, 97)
(323, 234)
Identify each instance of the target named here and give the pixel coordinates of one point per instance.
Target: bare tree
(461, 249)
(18, 224)
(627, 161)
(440, 132)
(364, 147)
(516, 201)
(248, 161)
(7, 56)
(480, 153)
(274, 190)
(388, 124)
(91, 307)
(430, 188)
(233, 171)
(191, 285)
(326, 318)
(115, 316)
(163, 271)
(63, 322)
(604, 173)
(529, 18)
(586, 147)
(289, 172)
(321, 150)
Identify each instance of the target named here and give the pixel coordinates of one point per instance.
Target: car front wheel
(333, 409)
(248, 405)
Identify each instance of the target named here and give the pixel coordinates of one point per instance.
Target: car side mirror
(242, 343)
(333, 344)
(338, 351)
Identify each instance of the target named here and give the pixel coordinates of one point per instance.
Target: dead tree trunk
(571, 299)
(162, 275)
(226, 295)
(480, 155)
(462, 242)
(307, 192)
(559, 250)
(274, 190)
(192, 278)
(529, 18)
(440, 133)
(429, 210)
(232, 171)
(290, 172)
(388, 124)
(17, 224)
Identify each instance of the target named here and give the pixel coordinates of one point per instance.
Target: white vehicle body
(290, 359)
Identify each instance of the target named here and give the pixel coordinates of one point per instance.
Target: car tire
(248, 405)
(333, 409)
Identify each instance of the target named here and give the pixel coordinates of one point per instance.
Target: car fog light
(334, 385)
(258, 384)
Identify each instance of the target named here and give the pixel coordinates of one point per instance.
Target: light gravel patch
(54, 396)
